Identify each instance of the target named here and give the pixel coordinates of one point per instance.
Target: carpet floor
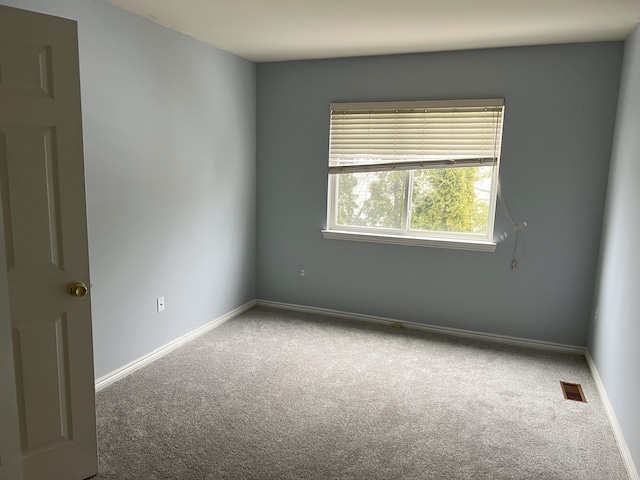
(275, 394)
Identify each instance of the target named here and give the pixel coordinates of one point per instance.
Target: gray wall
(559, 119)
(613, 339)
(169, 132)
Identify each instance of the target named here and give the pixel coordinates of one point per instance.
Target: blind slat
(415, 165)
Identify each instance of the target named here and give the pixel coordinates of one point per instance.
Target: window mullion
(332, 219)
(407, 201)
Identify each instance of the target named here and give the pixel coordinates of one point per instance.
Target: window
(422, 173)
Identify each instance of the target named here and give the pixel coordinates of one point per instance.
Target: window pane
(451, 199)
(372, 199)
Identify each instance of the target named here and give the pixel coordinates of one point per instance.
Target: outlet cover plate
(160, 303)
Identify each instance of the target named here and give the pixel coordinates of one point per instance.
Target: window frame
(405, 235)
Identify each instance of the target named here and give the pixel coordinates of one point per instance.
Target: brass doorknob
(78, 289)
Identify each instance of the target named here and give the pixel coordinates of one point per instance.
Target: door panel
(26, 68)
(33, 233)
(45, 245)
(45, 413)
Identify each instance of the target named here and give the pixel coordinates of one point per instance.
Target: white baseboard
(523, 342)
(613, 421)
(131, 367)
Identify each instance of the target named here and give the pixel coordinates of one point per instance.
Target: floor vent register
(573, 391)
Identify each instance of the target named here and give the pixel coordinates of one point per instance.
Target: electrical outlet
(160, 302)
(302, 272)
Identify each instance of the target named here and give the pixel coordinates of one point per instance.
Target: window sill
(480, 246)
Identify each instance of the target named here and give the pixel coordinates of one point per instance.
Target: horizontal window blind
(414, 135)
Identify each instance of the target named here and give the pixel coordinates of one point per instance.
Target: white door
(50, 407)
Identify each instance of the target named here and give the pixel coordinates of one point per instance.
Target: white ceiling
(274, 30)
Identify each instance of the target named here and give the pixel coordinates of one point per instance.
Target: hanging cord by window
(516, 229)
